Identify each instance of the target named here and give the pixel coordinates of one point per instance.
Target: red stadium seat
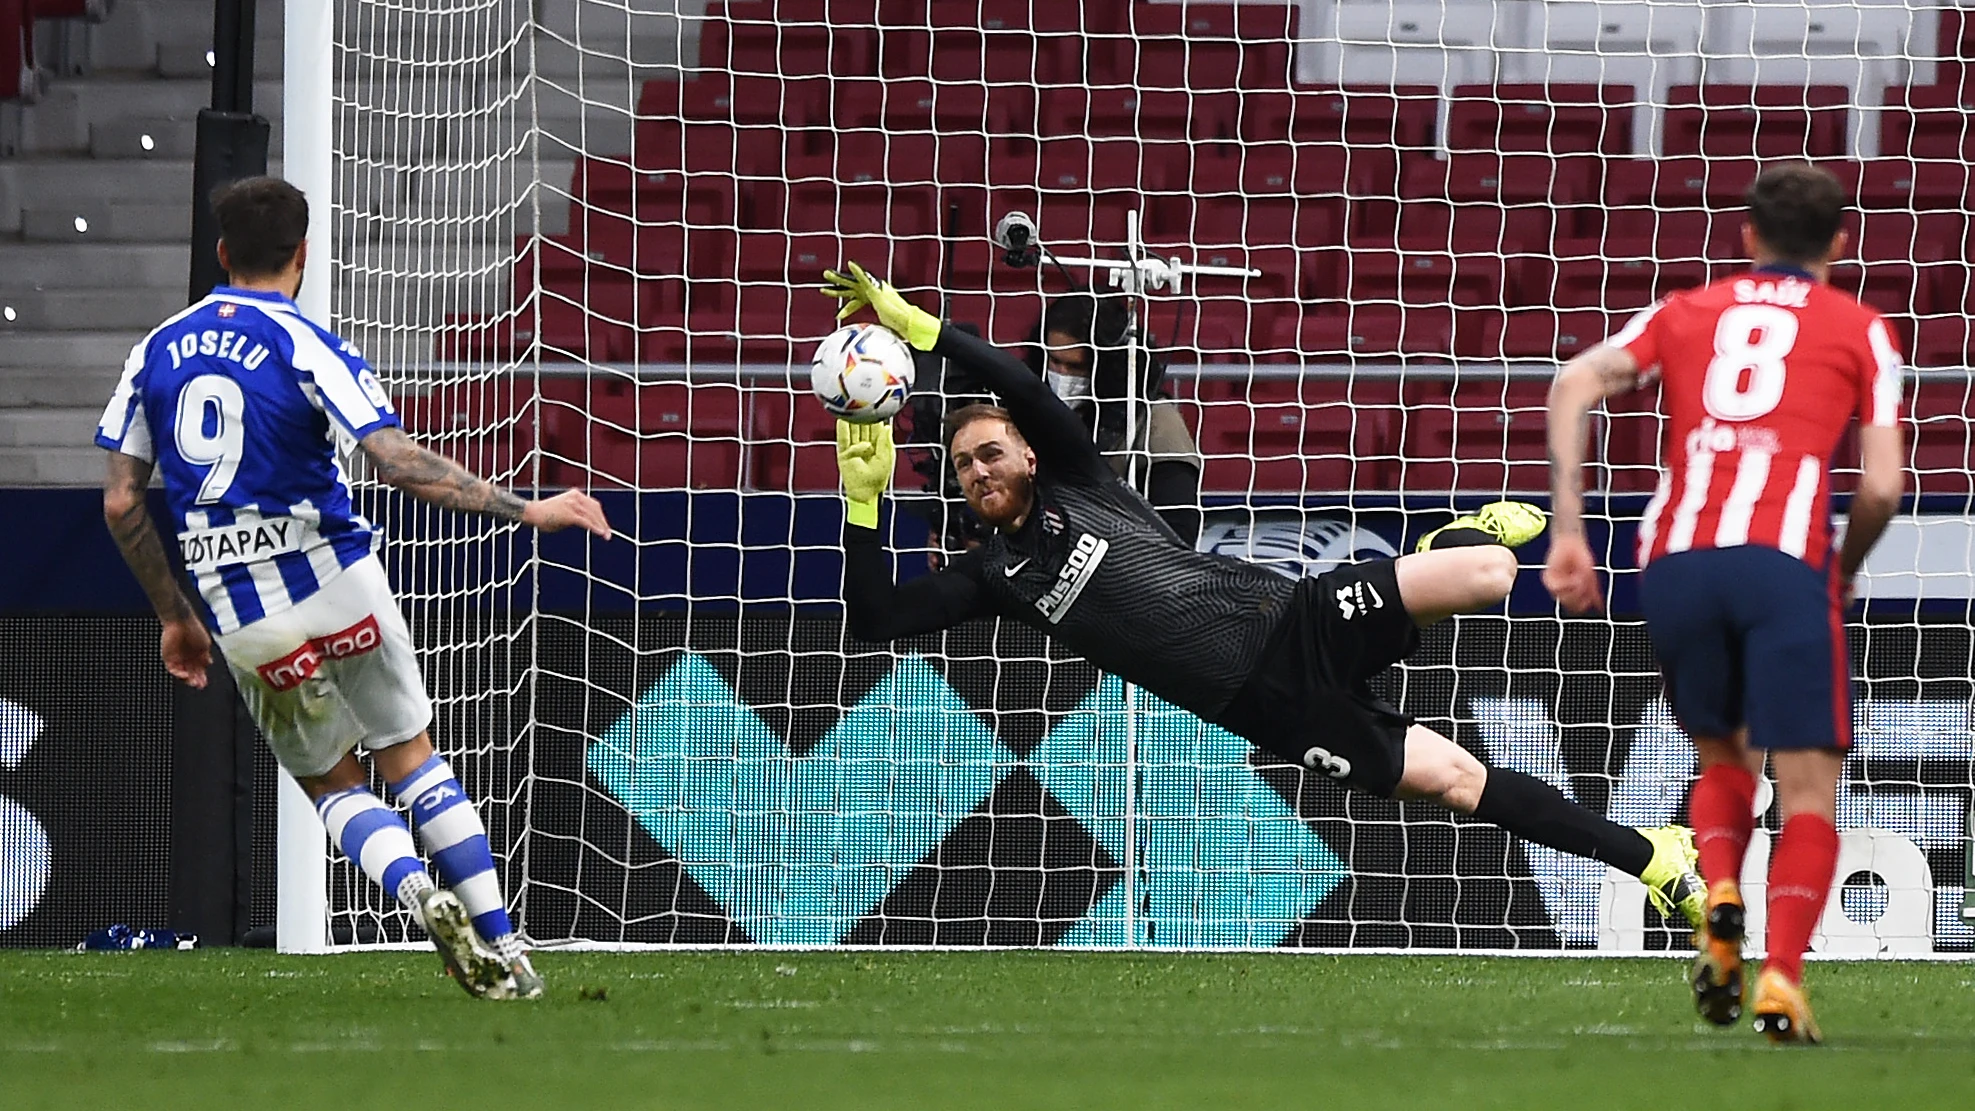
(1424, 278)
(1627, 451)
(486, 425)
(611, 432)
(1398, 118)
(1943, 341)
(791, 442)
(1373, 333)
(1678, 182)
(723, 98)
(1546, 334)
(1144, 113)
(1926, 122)
(1283, 435)
(762, 46)
(1471, 228)
(1763, 121)
(1616, 283)
(1940, 431)
(1547, 119)
(1892, 287)
(1899, 184)
(1210, 46)
(1476, 434)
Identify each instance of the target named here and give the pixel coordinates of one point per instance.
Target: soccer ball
(862, 373)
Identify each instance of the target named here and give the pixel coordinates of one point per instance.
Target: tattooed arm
(433, 478)
(1583, 383)
(184, 645)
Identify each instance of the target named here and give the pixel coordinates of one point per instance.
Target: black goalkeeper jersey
(1093, 566)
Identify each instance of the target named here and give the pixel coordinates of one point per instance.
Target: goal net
(581, 239)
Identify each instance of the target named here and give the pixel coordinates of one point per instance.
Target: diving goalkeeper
(1080, 556)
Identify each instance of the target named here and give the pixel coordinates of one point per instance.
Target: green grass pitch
(814, 1031)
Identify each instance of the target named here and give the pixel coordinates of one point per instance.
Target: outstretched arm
(875, 607)
(437, 480)
(1060, 440)
(185, 646)
(1584, 382)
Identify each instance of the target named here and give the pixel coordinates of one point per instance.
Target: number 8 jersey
(1761, 375)
(245, 407)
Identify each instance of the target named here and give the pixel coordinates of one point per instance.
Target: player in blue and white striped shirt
(246, 407)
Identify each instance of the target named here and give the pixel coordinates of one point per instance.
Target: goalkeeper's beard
(1003, 503)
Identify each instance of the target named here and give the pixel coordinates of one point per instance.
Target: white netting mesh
(581, 239)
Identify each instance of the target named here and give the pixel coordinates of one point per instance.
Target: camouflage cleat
(1717, 972)
(521, 982)
(1783, 1011)
(1512, 523)
(1670, 880)
(468, 960)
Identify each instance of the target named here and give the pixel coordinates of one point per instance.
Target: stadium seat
(1475, 228)
(1285, 435)
(1424, 277)
(1546, 119)
(1942, 341)
(486, 424)
(1649, 47)
(1484, 434)
(1544, 334)
(1892, 287)
(1371, 333)
(708, 148)
(1144, 113)
(613, 432)
(1626, 452)
(1616, 284)
(1940, 430)
(762, 46)
(1221, 330)
(791, 441)
(1926, 122)
(1763, 121)
(1399, 118)
(1206, 47)
(765, 101)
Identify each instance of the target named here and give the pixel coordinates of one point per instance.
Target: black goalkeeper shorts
(1309, 702)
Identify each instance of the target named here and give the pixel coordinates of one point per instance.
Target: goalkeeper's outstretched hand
(858, 289)
(865, 455)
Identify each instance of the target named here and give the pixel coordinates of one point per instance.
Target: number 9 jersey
(1761, 376)
(245, 407)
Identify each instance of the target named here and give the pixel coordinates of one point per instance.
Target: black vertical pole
(212, 792)
(232, 139)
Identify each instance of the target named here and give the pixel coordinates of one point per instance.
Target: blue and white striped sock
(373, 835)
(457, 842)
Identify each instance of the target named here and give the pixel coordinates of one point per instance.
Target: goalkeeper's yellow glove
(858, 289)
(865, 455)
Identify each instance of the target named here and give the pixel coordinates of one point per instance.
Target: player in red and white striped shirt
(1761, 375)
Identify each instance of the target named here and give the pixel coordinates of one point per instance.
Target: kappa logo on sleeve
(290, 671)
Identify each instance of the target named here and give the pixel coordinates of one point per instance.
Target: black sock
(1463, 537)
(1535, 811)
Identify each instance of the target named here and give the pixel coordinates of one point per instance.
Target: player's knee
(1462, 792)
(1494, 573)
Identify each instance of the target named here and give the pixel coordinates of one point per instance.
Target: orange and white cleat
(1783, 1011)
(1717, 971)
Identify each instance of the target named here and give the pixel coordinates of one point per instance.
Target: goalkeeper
(1083, 558)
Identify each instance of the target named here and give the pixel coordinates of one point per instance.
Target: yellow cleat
(1670, 879)
(1513, 523)
(1717, 973)
(1783, 1011)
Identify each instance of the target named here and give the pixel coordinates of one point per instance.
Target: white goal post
(579, 240)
